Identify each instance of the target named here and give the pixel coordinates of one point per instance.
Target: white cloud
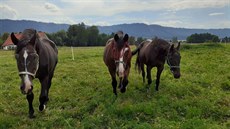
(51, 7)
(105, 12)
(108, 8)
(194, 4)
(7, 12)
(215, 14)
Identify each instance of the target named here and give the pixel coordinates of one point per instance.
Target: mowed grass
(81, 93)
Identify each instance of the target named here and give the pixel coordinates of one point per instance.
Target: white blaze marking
(26, 77)
(121, 68)
(25, 55)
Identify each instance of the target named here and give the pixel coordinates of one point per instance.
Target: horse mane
(120, 45)
(27, 35)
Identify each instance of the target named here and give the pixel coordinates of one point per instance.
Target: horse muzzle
(177, 75)
(26, 89)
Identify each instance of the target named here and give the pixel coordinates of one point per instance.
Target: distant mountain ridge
(9, 26)
(135, 29)
(149, 31)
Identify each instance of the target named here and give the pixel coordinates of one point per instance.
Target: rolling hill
(134, 29)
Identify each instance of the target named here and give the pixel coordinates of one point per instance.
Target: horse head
(27, 58)
(173, 60)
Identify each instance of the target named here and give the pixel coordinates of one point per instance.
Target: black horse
(154, 53)
(36, 57)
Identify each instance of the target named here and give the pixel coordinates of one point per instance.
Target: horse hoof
(42, 108)
(31, 116)
(123, 90)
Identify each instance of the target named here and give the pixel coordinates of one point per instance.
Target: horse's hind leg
(43, 98)
(149, 77)
(159, 71)
(143, 72)
(49, 85)
(30, 98)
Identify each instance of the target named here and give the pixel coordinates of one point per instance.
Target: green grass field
(81, 93)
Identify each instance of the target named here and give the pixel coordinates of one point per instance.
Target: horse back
(48, 56)
(153, 53)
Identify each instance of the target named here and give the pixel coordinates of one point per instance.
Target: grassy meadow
(81, 93)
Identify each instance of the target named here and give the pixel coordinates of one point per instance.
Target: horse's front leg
(114, 84)
(43, 98)
(159, 71)
(114, 81)
(30, 98)
(124, 84)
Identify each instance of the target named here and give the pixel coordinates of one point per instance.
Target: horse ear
(171, 48)
(126, 38)
(14, 39)
(33, 39)
(178, 46)
(116, 37)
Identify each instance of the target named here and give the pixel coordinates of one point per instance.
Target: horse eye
(16, 56)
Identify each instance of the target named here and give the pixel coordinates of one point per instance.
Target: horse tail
(136, 51)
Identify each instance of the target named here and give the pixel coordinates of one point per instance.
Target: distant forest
(81, 35)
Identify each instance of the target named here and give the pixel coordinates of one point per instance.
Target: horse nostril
(177, 76)
(22, 87)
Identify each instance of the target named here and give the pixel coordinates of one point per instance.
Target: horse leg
(124, 84)
(43, 98)
(49, 85)
(114, 81)
(149, 77)
(159, 71)
(114, 84)
(30, 98)
(143, 72)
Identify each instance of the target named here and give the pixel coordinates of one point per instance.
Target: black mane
(27, 35)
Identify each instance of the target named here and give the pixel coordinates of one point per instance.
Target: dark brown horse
(117, 57)
(36, 57)
(154, 54)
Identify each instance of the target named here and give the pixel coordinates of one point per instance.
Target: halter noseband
(27, 73)
(118, 61)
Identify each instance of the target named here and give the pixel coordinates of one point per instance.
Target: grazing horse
(36, 57)
(117, 57)
(154, 53)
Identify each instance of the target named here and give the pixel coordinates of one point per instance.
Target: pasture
(81, 93)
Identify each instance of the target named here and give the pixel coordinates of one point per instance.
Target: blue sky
(203, 14)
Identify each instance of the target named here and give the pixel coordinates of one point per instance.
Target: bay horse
(154, 53)
(36, 57)
(117, 57)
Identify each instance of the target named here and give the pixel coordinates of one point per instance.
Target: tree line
(3, 37)
(203, 37)
(82, 35)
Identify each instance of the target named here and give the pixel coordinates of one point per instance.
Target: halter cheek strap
(121, 56)
(26, 72)
(172, 66)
